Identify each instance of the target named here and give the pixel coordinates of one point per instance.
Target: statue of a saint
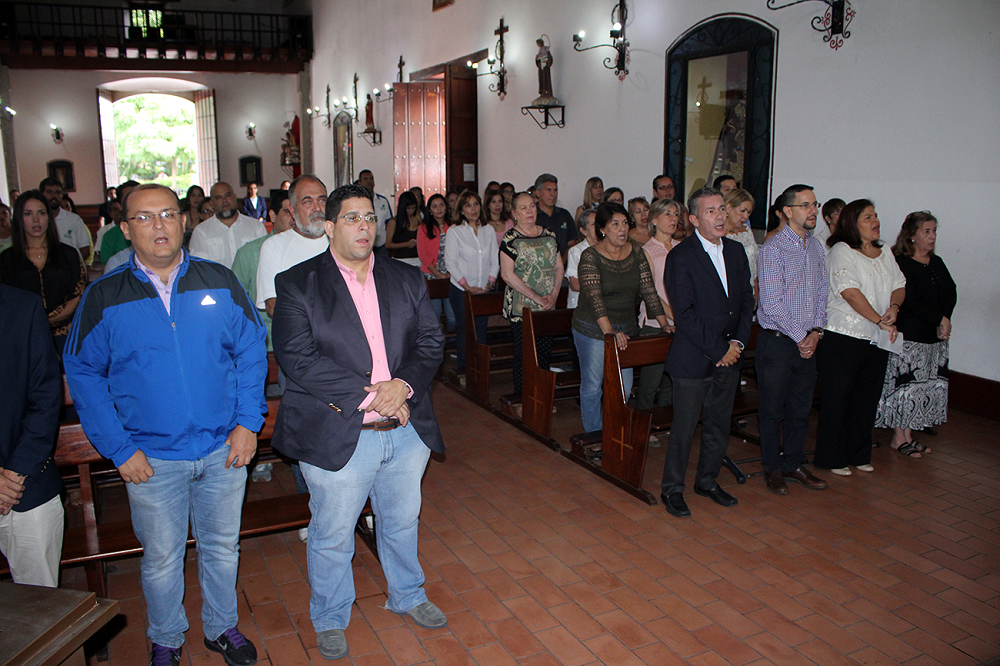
(544, 63)
(369, 114)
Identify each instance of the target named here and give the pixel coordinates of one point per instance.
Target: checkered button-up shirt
(791, 273)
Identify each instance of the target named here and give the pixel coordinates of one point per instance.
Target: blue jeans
(444, 304)
(386, 466)
(591, 353)
(211, 497)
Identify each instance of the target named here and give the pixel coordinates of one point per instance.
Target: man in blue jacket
(166, 365)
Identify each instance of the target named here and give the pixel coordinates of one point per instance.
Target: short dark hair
(787, 197)
(504, 185)
(304, 177)
(605, 212)
(17, 240)
(135, 183)
(661, 177)
(363, 172)
(847, 225)
(339, 196)
(545, 178)
(278, 198)
(719, 180)
(611, 190)
(144, 188)
(832, 206)
(47, 182)
(702, 193)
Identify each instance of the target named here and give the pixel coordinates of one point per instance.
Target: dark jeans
(851, 374)
(655, 388)
(457, 298)
(543, 344)
(712, 399)
(786, 383)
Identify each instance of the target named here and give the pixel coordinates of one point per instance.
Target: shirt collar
(153, 277)
(707, 244)
(349, 273)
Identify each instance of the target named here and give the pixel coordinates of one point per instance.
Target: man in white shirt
(306, 238)
(220, 236)
(72, 230)
(382, 206)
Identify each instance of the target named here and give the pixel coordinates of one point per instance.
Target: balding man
(166, 363)
(220, 236)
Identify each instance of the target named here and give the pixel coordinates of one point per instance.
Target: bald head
(224, 202)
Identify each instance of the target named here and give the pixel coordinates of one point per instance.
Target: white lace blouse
(876, 279)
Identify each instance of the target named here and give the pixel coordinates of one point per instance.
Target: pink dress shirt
(162, 289)
(365, 299)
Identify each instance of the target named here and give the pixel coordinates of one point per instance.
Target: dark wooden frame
(68, 178)
(251, 170)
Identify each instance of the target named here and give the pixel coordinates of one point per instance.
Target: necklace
(620, 251)
(37, 253)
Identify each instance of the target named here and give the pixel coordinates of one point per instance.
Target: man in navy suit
(252, 205)
(707, 278)
(359, 342)
(31, 511)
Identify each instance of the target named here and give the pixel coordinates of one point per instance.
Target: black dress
(915, 393)
(62, 279)
(402, 234)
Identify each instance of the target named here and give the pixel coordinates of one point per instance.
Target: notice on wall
(469, 173)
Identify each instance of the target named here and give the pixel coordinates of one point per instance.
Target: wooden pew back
(626, 430)
(478, 354)
(539, 385)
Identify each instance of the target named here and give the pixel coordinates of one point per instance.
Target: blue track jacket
(171, 385)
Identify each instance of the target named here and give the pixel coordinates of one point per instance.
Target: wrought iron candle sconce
(833, 22)
(619, 19)
(315, 112)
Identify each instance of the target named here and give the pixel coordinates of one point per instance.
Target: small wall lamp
(57, 134)
(619, 17)
(251, 131)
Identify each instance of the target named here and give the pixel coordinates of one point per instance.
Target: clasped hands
(888, 321)
(731, 356)
(390, 400)
(11, 489)
(807, 347)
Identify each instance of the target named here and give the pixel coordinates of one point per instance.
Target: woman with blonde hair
(593, 192)
(739, 206)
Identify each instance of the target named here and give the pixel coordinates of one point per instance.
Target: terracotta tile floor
(538, 562)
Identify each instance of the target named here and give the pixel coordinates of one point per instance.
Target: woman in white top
(655, 388)
(739, 206)
(866, 290)
(472, 257)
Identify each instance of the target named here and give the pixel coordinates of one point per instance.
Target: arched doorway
(720, 92)
(206, 150)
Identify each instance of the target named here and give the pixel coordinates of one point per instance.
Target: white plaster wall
(904, 113)
(69, 100)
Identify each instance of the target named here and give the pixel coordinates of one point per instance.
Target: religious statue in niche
(369, 114)
(290, 151)
(543, 61)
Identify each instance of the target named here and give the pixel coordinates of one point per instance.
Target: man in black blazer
(707, 278)
(31, 511)
(359, 342)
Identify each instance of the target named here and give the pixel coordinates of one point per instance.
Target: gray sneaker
(427, 615)
(332, 643)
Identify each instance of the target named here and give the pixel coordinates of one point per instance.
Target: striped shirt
(791, 274)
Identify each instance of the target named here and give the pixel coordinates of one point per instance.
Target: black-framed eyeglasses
(814, 204)
(146, 218)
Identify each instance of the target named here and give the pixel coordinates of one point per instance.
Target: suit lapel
(729, 257)
(335, 295)
(707, 264)
(384, 294)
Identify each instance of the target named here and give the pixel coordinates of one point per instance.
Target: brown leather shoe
(776, 483)
(806, 479)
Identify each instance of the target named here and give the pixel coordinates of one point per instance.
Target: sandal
(911, 449)
(920, 447)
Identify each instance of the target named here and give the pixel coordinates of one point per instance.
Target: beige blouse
(876, 278)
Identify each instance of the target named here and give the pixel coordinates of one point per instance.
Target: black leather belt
(382, 425)
(777, 334)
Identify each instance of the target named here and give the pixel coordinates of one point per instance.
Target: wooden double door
(436, 130)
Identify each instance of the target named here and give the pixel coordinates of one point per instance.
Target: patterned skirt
(915, 393)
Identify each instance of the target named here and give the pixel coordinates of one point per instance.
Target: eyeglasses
(814, 205)
(354, 218)
(165, 215)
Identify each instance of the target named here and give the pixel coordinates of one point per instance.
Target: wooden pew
(542, 387)
(438, 287)
(478, 354)
(625, 430)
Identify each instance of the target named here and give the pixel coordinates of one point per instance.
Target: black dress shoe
(776, 482)
(717, 495)
(675, 504)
